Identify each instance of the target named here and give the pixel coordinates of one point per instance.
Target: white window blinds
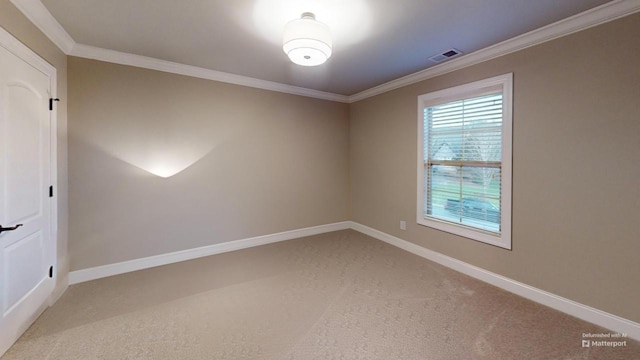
(463, 158)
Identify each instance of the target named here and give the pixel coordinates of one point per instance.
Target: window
(464, 160)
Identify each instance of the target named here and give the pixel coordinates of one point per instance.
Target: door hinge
(51, 271)
(51, 100)
(51, 191)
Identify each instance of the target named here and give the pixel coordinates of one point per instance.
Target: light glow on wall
(161, 162)
(162, 156)
(166, 165)
(161, 144)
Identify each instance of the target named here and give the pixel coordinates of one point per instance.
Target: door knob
(9, 228)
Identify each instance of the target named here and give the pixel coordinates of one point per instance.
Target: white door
(28, 252)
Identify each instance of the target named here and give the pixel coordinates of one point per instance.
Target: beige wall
(265, 162)
(12, 20)
(576, 194)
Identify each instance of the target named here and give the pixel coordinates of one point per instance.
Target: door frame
(16, 47)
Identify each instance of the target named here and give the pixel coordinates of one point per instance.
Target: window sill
(502, 240)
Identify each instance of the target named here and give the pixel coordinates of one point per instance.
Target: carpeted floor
(341, 295)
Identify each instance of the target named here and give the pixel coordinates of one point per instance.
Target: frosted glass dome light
(306, 41)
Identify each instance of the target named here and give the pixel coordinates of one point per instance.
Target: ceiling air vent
(445, 55)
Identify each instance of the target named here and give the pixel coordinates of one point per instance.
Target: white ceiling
(375, 41)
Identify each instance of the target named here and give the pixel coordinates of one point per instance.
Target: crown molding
(38, 14)
(590, 18)
(117, 57)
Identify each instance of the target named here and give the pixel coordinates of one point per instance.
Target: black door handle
(9, 228)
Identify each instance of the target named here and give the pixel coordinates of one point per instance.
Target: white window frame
(505, 82)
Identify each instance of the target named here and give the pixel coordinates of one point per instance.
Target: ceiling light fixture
(306, 41)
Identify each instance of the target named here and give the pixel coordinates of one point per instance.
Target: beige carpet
(334, 296)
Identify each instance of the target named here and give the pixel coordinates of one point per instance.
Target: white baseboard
(581, 311)
(98, 272)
